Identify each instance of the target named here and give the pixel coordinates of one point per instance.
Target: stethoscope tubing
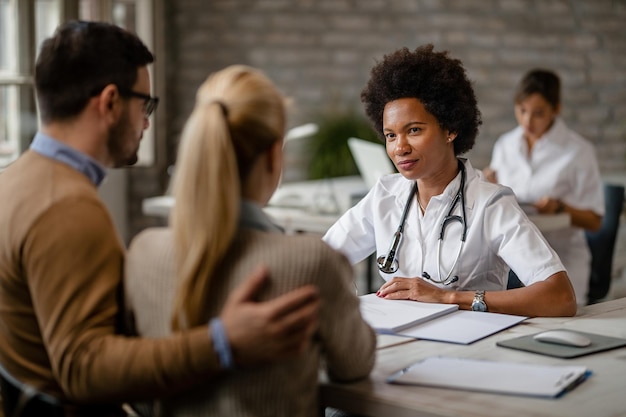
(389, 264)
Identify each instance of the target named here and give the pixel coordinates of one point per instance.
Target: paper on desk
(463, 326)
(440, 322)
(498, 377)
(394, 315)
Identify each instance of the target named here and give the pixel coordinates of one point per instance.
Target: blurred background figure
(552, 169)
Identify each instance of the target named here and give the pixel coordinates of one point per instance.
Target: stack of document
(393, 316)
(432, 321)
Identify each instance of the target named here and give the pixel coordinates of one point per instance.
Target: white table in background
(313, 206)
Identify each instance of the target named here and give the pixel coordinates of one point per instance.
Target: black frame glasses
(150, 103)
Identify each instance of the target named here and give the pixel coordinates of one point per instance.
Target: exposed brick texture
(320, 53)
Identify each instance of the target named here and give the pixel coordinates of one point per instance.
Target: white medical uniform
(499, 234)
(562, 165)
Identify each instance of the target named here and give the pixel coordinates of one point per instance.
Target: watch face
(479, 306)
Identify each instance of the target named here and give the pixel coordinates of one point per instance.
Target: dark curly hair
(436, 80)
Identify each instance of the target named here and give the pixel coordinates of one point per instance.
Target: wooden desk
(603, 394)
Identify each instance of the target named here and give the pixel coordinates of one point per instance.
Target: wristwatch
(479, 301)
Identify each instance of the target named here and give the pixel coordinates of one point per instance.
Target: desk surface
(603, 394)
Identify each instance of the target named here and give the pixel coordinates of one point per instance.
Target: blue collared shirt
(52, 148)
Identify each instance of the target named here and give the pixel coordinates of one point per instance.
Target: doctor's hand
(490, 175)
(261, 332)
(415, 289)
(547, 205)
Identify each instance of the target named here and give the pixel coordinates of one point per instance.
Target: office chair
(514, 281)
(22, 400)
(602, 243)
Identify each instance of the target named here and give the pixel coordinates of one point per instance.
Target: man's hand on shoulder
(259, 332)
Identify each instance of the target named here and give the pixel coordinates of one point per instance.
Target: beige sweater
(344, 344)
(61, 265)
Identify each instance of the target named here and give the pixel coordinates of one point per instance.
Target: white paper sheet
(394, 315)
(462, 326)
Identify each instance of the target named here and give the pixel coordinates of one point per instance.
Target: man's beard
(119, 136)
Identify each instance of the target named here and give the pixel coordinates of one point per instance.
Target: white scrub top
(499, 234)
(562, 166)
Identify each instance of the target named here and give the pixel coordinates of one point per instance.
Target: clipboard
(599, 343)
(525, 379)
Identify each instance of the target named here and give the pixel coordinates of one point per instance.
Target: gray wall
(320, 54)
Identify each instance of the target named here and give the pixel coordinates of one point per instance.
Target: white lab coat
(562, 166)
(499, 234)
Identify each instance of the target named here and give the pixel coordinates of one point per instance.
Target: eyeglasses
(149, 104)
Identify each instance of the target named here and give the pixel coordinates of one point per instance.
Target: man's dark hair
(436, 80)
(79, 60)
(540, 81)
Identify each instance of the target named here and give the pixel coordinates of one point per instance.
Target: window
(24, 24)
(136, 16)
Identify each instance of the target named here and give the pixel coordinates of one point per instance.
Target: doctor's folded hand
(548, 205)
(439, 230)
(413, 289)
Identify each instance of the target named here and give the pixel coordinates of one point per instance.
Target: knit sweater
(61, 265)
(344, 343)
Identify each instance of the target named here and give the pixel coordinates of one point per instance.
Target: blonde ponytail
(238, 115)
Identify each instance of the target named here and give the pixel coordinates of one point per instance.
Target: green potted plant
(328, 148)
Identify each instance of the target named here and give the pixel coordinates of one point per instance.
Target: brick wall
(320, 53)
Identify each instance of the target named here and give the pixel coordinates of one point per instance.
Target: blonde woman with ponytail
(229, 165)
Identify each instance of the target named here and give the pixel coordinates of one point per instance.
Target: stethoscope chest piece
(389, 263)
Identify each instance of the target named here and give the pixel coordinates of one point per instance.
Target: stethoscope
(389, 263)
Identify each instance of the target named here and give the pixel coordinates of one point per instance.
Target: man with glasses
(149, 103)
(61, 261)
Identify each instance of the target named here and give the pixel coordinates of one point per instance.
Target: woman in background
(553, 169)
(229, 165)
(459, 233)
